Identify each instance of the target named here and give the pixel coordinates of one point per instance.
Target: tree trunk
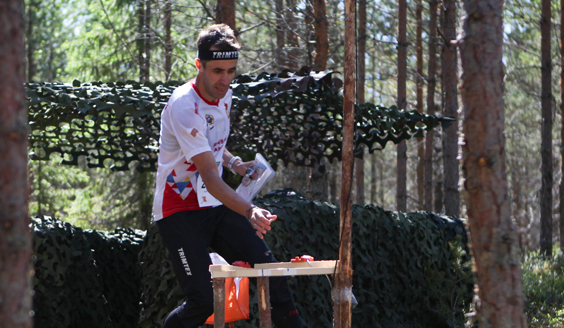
(419, 96)
(225, 13)
(30, 43)
(15, 237)
(310, 33)
(321, 36)
(493, 235)
(168, 40)
(333, 176)
(431, 82)
(141, 39)
(360, 80)
(438, 197)
(562, 123)
(279, 7)
(292, 36)
(401, 194)
(148, 40)
(450, 96)
(546, 133)
(320, 172)
(373, 180)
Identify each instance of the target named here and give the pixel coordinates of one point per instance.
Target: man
(193, 207)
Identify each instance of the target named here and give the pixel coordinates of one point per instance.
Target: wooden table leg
(219, 302)
(265, 320)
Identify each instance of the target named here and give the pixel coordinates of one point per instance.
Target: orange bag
(236, 304)
(236, 299)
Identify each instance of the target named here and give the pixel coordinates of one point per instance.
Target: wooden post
(342, 291)
(265, 319)
(219, 302)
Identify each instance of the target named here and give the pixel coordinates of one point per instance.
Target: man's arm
(260, 218)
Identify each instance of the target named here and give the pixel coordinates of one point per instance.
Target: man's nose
(224, 79)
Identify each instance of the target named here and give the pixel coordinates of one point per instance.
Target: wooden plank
(219, 302)
(316, 264)
(265, 319)
(227, 271)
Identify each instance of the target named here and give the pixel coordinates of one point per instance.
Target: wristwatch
(231, 161)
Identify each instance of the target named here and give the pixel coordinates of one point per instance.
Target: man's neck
(202, 90)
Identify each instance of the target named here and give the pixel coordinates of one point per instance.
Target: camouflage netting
(292, 117)
(85, 278)
(410, 269)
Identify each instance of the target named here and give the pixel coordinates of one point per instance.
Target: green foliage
(93, 198)
(54, 188)
(543, 280)
(296, 118)
(84, 278)
(410, 270)
(46, 33)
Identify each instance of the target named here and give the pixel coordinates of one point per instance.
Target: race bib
(205, 199)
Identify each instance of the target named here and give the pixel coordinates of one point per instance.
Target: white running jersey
(190, 125)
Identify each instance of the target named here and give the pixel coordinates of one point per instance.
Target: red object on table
(303, 258)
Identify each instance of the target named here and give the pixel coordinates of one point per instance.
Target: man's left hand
(241, 168)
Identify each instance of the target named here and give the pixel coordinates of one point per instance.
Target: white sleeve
(189, 129)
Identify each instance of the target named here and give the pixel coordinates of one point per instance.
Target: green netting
(293, 117)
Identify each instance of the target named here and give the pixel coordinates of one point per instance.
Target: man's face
(215, 77)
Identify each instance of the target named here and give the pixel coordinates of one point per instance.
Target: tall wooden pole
(342, 291)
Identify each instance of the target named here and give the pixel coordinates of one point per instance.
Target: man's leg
(236, 240)
(187, 236)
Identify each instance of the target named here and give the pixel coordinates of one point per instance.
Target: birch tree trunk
(493, 235)
(450, 94)
(15, 237)
(546, 133)
(401, 194)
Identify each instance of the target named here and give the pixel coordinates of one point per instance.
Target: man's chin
(220, 95)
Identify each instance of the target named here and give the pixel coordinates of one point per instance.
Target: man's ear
(198, 63)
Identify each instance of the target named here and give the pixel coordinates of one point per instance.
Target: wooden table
(262, 272)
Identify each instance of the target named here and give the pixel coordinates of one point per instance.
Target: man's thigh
(187, 237)
(235, 240)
